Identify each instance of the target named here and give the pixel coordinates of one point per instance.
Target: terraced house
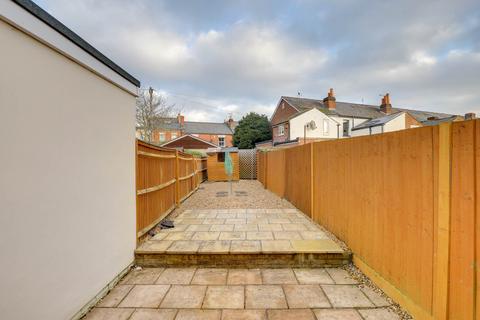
(176, 132)
(300, 120)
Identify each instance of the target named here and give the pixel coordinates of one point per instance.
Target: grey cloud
(238, 56)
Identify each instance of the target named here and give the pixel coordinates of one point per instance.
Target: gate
(248, 163)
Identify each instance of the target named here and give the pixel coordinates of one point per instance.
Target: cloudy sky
(216, 57)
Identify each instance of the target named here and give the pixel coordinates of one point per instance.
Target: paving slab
(113, 298)
(278, 276)
(313, 276)
(176, 276)
(184, 296)
(340, 276)
(245, 246)
(277, 246)
(378, 299)
(264, 297)
(305, 296)
(346, 296)
(224, 297)
(143, 276)
(244, 315)
(144, 296)
(244, 276)
(199, 315)
(378, 314)
(109, 314)
(154, 314)
(210, 276)
(300, 314)
(215, 247)
(337, 314)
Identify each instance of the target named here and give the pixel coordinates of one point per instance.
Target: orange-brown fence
(404, 202)
(165, 177)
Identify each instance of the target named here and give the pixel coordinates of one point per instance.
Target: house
(190, 142)
(220, 134)
(300, 120)
(67, 178)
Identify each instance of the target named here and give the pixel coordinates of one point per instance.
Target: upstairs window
(281, 130)
(162, 136)
(221, 142)
(325, 127)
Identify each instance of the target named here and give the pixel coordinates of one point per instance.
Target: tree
(251, 129)
(150, 107)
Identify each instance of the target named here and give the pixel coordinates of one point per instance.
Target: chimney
(230, 122)
(330, 101)
(470, 116)
(180, 119)
(386, 106)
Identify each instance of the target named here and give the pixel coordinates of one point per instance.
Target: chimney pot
(470, 116)
(180, 119)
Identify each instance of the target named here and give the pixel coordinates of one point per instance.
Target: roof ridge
(206, 122)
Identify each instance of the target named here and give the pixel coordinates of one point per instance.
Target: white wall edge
(28, 23)
(100, 295)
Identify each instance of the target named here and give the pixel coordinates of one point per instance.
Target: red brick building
(219, 134)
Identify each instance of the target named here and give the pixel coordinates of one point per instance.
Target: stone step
(294, 253)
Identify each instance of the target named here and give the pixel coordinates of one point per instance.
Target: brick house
(301, 120)
(219, 134)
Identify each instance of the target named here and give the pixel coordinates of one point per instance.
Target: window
(346, 128)
(174, 135)
(221, 142)
(281, 130)
(221, 157)
(325, 127)
(162, 136)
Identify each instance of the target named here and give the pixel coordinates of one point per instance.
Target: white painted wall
(353, 122)
(67, 187)
(397, 123)
(297, 125)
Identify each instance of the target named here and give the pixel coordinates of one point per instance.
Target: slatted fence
(165, 177)
(404, 202)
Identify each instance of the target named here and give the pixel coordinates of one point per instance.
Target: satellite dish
(312, 125)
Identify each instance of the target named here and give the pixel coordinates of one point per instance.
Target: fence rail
(165, 177)
(404, 202)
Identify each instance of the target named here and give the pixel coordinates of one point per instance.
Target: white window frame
(281, 130)
(174, 135)
(221, 144)
(326, 127)
(162, 136)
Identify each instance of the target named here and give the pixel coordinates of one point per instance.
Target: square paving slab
(246, 238)
(239, 294)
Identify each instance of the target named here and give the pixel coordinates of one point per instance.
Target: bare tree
(150, 107)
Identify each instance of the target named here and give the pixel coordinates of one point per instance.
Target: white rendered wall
(297, 125)
(67, 187)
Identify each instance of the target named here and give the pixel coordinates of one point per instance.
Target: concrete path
(234, 294)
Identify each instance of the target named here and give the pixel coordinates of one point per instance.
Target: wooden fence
(404, 202)
(165, 177)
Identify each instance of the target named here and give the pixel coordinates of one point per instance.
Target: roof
(207, 128)
(189, 136)
(167, 123)
(216, 150)
(377, 121)
(355, 110)
(440, 120)
(42, 15)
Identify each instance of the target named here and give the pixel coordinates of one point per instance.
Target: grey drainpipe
(382, 127)
(338, 131)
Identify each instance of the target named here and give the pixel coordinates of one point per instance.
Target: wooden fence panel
(297, 177)
(276, 172)
(462, 300)
(160, 187)
(261, 157)
(155, 184)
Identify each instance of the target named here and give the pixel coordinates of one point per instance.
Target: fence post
(177, 181)
(265, 176)
(312, 190)
(442, 263)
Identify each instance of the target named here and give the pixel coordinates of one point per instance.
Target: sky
(219, 57)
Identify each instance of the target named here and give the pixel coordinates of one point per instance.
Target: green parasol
(229, 168)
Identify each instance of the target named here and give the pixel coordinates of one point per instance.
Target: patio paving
(248, 237)
(233, 294)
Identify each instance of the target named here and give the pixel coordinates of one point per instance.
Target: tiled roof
(167, 123)
(207, 128)
(377, 121)
(355, 110)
